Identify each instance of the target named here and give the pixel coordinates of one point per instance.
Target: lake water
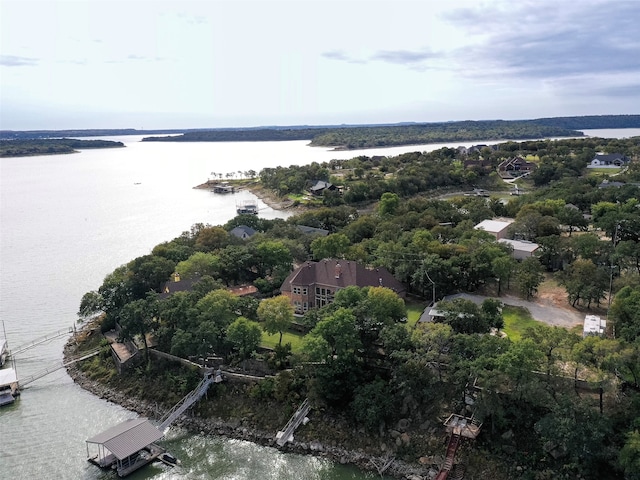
(69, 220)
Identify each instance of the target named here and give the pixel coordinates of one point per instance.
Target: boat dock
(223, 188)
(130, 445)
(126, 447)
(247, 207)
(9, 388)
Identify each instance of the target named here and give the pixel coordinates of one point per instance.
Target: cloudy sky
(222, 63)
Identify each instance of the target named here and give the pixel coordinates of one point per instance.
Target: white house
(521, 249)
(593, 325)
(497, 228)
(611, 160)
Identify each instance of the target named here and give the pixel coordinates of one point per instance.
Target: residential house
(498, 227)
(320, 187)
(243, 232)
(314, 284)
(521, 249)
(611, 160)
(515, 167)
(321, 232)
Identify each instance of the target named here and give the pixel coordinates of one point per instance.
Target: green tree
(277, 315)
(584, 280)
(388, 204)
(625, 313)
(272, 254)
(199, 264)
(91, 303)
(629, 456)
(209, 239)
(529, 276)
(332, 246)
(245, 336)
(373, 404)
(339, 332)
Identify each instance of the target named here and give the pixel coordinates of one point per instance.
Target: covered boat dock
(9, 388)
(126, 447)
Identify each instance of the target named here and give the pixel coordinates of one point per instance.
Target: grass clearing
(516, 321)
(414, 310)
(270, 341)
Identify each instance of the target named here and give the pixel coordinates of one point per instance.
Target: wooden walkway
(452, 448)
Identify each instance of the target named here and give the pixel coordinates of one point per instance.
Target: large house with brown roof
(515, 167)
(314, 284)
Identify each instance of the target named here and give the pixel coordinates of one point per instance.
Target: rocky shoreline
(236, 429)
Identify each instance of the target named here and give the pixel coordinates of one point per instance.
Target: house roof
(242, 230)
(321, 185)
(7, 377)
(521, 245)
(312, 230)
(178, 285)
(128, 437)
(340, 274)
(493, 226)
(610, 157)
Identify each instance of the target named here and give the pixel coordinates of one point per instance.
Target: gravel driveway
(549, 314)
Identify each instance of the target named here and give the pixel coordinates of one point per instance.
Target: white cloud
(230, 63)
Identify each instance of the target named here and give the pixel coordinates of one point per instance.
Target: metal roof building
(122, 443)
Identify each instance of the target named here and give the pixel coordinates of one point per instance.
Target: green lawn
(516, 321)
(270, 341)
(414, 310)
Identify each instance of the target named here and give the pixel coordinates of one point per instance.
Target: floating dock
(247, 207)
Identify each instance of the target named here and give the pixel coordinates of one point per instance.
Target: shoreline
(234, 429)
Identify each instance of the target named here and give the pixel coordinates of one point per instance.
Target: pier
(286, 434)
(130, 445)
(38, 341)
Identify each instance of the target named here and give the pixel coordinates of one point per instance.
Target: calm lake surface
(69, 220)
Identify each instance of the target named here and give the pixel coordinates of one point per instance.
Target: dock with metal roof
(127, 446)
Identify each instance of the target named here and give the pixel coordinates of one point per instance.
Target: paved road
(549, 314)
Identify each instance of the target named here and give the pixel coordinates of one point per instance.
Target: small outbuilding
(593, 325)
(521, 248)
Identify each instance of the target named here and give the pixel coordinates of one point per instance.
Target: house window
(304, 290)
(296, 290)
(324, 296)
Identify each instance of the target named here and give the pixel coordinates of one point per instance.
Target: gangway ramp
(45, 338)
(42, 373)
(182, 406)
(286, 434)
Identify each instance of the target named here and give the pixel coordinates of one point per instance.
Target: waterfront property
(314, 284)
(126, 447)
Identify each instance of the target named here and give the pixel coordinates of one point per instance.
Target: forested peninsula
(349, 137)
(382, 377)
(51, 146)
